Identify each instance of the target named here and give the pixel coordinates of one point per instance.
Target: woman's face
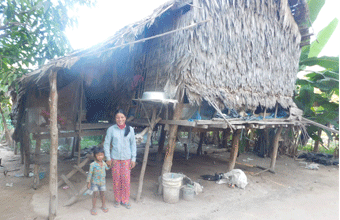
(120, 119)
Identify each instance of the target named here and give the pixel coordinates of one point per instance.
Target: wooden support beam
(69, 183)
(146, 153)
(36, 179)
(275, 148)
(53, 180)
(179, 122)
(80, 170)
(74, 171)
(172, 140)
(307, 121)
(234, 150)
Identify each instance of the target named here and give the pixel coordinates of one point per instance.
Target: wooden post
(80, 115)
(146, 154)
(275, 148)
(53, 180)
(161, 144)
(79, 147)
(317, 142)
(26, 150)
(200, 144)
(36, 163)
(234, 150)
(172, 140)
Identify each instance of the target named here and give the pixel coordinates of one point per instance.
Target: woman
(122, 157)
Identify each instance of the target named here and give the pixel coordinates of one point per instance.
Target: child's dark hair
(97, 150)
(127, 128)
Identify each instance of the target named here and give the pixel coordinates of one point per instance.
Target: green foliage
(90, 141)
(318, 93)
(31, 32)
(323, 37)
(314, 8)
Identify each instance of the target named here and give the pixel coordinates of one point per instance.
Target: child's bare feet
(93, 212)
(104, 209)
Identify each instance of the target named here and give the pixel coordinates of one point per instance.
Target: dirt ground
(294, 192)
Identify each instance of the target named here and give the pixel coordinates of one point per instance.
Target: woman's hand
(108, 162)
(132, 164)
(89, 185)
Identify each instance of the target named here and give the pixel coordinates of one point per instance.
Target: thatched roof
(246, 56)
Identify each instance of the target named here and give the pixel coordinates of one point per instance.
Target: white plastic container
(172, 183)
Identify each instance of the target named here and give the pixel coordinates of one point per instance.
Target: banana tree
(317, 93)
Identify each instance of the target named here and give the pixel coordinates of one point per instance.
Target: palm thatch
(245, 56)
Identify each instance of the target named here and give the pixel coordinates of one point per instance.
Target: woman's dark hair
(97, 150)
(127, 128)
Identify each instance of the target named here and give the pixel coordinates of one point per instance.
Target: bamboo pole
(172, 140)
(275, 148)
(146, 154)
(53, 180)
(36, 163)
(234, 150)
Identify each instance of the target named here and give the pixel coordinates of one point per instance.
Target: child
(96, 179)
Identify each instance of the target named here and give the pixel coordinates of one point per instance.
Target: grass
(310, 146)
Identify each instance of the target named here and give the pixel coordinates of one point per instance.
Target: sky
(97, 24)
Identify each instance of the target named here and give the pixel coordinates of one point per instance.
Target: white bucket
(188, 193)
(172, 183)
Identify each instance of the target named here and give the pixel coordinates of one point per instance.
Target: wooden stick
(53, 180)
(320, 125)
(234, 150)
(146, 153)
(148, 38)
(36, 179)
(262, 171)
(276, 107)
(264, 168)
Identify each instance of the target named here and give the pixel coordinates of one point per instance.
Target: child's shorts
(95, 187)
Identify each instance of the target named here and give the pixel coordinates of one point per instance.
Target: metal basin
(154, 96)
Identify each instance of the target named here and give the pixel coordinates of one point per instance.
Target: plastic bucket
(188, 193)
(172, 183)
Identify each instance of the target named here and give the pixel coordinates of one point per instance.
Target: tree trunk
(53, 180)
(8, 136)
(317, 142)
(26, 151)
(172, 140)
(275, 148)
(234, 150)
